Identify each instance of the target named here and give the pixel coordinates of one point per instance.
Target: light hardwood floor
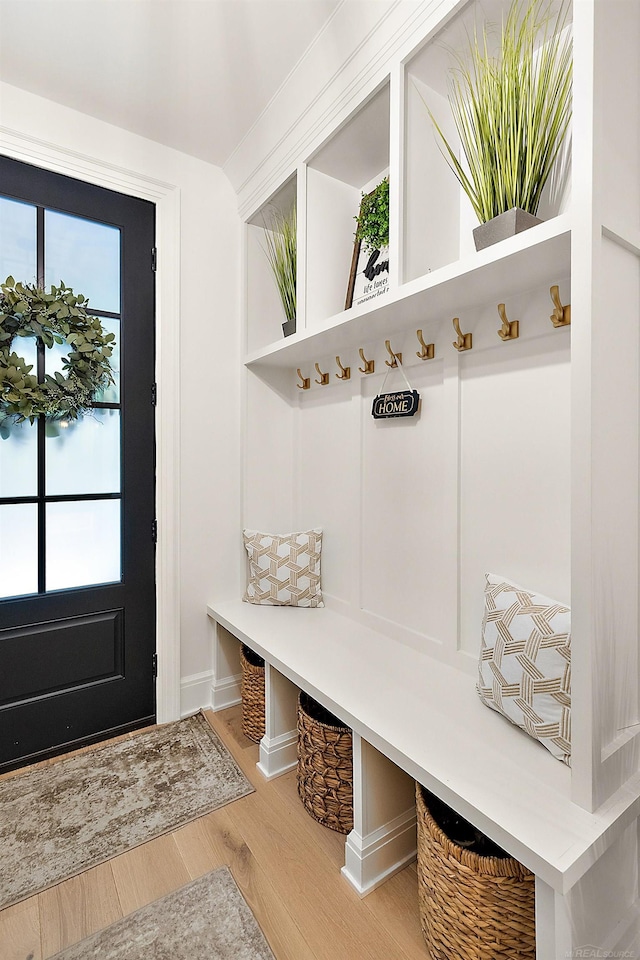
(286, 864)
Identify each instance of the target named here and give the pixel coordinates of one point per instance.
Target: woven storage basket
(325, 766)
(252, 692)
(472, 907)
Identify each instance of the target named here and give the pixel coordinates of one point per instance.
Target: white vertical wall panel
(618, 32)
(432, 194)
(327, 466)
(268, 472)
(615, 476)
(515, 472)
(403, 476)
(265, 315)
(331, 207)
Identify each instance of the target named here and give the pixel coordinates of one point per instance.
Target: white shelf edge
(408, 302)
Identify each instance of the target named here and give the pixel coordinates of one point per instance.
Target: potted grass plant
(511, 111)
(281, 251)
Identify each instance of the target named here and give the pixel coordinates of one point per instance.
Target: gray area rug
(206, 920)
(61, 819)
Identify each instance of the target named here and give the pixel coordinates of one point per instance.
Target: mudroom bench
(416, 718)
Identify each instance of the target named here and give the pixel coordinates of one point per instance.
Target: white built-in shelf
(427, 718)
(539, 256)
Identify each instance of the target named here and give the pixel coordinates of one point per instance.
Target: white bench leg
(383, 839)
(600, 915)
(227, 674)
(553, 924)
(279, 746)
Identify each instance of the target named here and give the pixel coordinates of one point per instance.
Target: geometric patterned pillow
(525, 663)
(284, 568)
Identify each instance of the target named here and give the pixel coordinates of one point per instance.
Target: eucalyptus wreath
(55, 316)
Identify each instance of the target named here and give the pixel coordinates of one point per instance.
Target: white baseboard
(195, 693)
(201, 692)
(370, 860)
(225, 693)
(278, 754)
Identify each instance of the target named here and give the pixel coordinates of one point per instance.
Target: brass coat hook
(465, 340)
(345, 372)
(324, 377)
(394, 356)
(306, 382)
(428, 351)
(510, 329)
(561, 316)
(369, 365)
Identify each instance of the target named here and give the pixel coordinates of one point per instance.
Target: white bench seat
(427, 718)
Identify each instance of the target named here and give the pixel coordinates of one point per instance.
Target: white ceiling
(191, 74)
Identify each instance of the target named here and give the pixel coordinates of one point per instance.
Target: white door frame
(166, 197)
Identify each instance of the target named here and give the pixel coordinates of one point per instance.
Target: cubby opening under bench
(417, 719)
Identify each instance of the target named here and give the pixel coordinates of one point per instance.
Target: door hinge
(155, 664)
(154, 394)
(154, 531)
(154, 258)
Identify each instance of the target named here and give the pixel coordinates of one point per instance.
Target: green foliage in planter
(373, 219)
(281, 250)
(512, 110)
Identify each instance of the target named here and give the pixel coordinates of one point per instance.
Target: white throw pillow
(525, 662)
(284, 569)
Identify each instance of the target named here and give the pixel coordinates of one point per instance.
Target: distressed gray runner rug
(206, 920)
(58, 820)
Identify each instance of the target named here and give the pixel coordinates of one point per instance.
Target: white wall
(207, 245)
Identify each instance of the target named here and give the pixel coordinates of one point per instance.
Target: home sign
(402, 403)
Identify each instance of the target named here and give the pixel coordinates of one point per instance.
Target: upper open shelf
(540, 255)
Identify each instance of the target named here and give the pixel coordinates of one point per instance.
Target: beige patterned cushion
(284, 568)
(525, 663)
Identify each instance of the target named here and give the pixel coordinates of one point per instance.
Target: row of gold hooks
(510, 330)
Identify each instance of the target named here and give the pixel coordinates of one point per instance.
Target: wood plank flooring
(286, 864)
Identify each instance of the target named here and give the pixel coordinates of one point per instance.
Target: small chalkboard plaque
(402, 403)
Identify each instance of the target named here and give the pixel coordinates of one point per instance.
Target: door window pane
(18, 549)
(55, 355)
(17, 241)
(19, 460)
(112, 393)
(85, 255)
(84, 456)
(83, 543)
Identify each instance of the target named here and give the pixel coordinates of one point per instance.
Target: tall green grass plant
(512, 110)
(281, 250)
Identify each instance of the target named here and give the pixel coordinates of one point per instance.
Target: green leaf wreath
(55, 316)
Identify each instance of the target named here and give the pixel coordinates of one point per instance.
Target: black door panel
(77, 663)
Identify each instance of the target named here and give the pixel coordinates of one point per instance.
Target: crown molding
(347, 63)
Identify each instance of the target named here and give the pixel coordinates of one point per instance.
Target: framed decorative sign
(369, 274)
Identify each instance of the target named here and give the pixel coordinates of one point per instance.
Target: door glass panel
(18, 549)
(112, 393)
(83, 543)
(55, 355)
(19, 460)
(17, 241)
(84, 456)
(85, 255)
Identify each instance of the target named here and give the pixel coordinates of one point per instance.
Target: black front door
(77, 498)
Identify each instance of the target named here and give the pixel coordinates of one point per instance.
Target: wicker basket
(472, 907)
(252, 692)
(325, 766)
